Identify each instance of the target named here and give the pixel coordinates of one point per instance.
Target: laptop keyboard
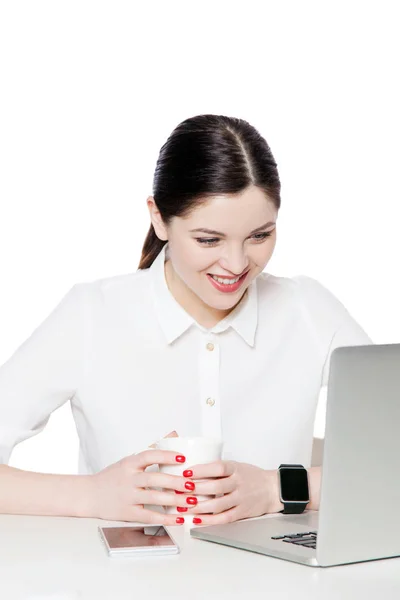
(307, 539)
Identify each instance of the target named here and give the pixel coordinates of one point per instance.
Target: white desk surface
(61, 558)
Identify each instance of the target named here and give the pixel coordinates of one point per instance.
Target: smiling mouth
(228, 280)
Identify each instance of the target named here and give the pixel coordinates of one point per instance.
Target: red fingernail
(188, 473)
(177, 492)
(189, 485)
(181, 508)
(180, 520)
(180, 458)
(196, 520)
(191, 500)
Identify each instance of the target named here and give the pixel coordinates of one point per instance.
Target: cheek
(193, 265)
(201, 261)
(262, 254)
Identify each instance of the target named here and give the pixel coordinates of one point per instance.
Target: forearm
(29, 493)
(314, 485)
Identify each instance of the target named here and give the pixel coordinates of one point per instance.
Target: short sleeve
(43, 373)
(333, 325)
(349, 333)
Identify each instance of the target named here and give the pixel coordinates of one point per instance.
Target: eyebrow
(212, 232)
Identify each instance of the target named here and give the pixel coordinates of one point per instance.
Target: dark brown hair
(204, 156)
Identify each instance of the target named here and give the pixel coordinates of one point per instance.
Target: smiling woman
(200, 340)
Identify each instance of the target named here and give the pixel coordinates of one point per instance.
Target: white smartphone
(149, 540)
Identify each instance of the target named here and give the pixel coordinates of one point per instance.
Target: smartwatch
(294, 492)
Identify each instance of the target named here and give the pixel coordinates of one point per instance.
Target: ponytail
(151, 249)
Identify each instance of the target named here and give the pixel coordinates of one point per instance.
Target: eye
(259, 237)
(207, 241)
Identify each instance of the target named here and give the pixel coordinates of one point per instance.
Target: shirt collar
(174, 320)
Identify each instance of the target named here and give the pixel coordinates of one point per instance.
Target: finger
(228, 516)
(161, 498)
(162, 457)
(215, 487)
(220, 468)
(216, 505)
(164, 480)
(172, 434)
(144, 515)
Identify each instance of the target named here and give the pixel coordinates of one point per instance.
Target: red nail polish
(180, 520)
(180, 458)
(188, 473)
(181, 508)
(189, 485)
(191, 500)
(196, 520)
(178, 492)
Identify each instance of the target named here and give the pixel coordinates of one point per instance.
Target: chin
(226, 303)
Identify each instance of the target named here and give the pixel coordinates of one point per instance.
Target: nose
(235, 261)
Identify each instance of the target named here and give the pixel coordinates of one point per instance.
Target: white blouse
(135, 365)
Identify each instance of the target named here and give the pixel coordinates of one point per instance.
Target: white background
(91, 90)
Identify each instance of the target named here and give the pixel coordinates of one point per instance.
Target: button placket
(209, 365)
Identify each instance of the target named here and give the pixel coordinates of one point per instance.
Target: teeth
(225, 281)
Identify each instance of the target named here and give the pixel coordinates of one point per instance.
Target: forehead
(233, 212)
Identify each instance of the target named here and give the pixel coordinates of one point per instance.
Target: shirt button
(210, 401)
(210, 346)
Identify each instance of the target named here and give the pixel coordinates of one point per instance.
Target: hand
(248, 491)
(121, 490)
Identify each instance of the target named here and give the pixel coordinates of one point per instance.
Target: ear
(156, 219)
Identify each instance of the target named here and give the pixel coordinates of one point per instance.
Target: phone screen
(137, 537)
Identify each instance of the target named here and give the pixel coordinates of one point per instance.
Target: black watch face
(294, 485)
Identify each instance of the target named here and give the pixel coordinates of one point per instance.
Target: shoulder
(306, 292)
(296, 286)
(302, 284)
(116, 288)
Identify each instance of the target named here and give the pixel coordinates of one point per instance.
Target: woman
(199, 340)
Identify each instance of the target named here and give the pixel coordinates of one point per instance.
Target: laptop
(358, 518)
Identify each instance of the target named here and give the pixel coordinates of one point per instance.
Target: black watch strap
(292, 508)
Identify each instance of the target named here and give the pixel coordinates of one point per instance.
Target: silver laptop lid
(360, 488)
